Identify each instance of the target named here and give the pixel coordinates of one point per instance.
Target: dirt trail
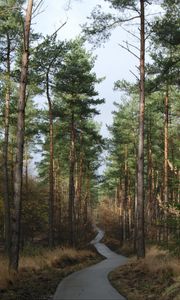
(92, 283)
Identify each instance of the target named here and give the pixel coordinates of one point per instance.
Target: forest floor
(157, 277)
(39, 275)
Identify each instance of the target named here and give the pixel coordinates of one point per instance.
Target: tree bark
(166, 160)
(71, 183)
(166, 150)
(79, 189)
(150, 206)
(16, 218)
(140, 239)
(120, 204)
(87, 197)
(12, 153)
(7, 217)
(51, 167)
(26, 170)
(126, 212)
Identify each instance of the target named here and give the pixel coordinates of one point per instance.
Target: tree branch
(127, 49)
(130, 33)
(60, 28)
(128, 44)
(52, 35)
(38, 6)
(134, 75)
(122, 21)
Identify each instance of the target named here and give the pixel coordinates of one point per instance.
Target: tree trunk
(126, 212)
(87, 197)
(71, 183)
(166, 150)
(16, 219)
(120, 206)
(7, 221)
(26, 171)
(79, 190)
(12, 169)
(166, 162)
(140, 239)
(51, 167)
(150, 204)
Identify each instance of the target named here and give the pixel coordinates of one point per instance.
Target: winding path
(92, 283)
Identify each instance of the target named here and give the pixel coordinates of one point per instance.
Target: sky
(112, 62)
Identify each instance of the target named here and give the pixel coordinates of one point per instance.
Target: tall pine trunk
(18, 172)
(79, 190)
(140, 239)
(7, 221)
(126, 206)
(166, 150)
(71, 183)
(166, 108)
(87, 196)
(51, 167)
(26, 171)
(121, 234)
(150, 203)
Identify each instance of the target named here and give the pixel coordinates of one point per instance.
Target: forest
(48, 218)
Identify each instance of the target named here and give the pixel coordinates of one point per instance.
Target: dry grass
(160, 260)
(172, 292)
(127, 249)
(58, 258)
(5, 277)
(155, 277)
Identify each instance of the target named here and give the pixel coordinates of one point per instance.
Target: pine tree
(102, 24)
(75, 86)
(14, 256)
(47, 57)
(10, 31)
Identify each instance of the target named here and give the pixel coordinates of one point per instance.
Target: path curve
(92, 283)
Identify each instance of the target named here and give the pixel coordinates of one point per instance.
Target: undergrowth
(39, 274)
(155, 277)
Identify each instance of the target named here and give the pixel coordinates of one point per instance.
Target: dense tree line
(161, 143)
(59, 201)
(140, 185)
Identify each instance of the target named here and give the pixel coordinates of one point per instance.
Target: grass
(40, 274)
(59, 257)
(126, 249)
(5, 277)
(155, 277)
